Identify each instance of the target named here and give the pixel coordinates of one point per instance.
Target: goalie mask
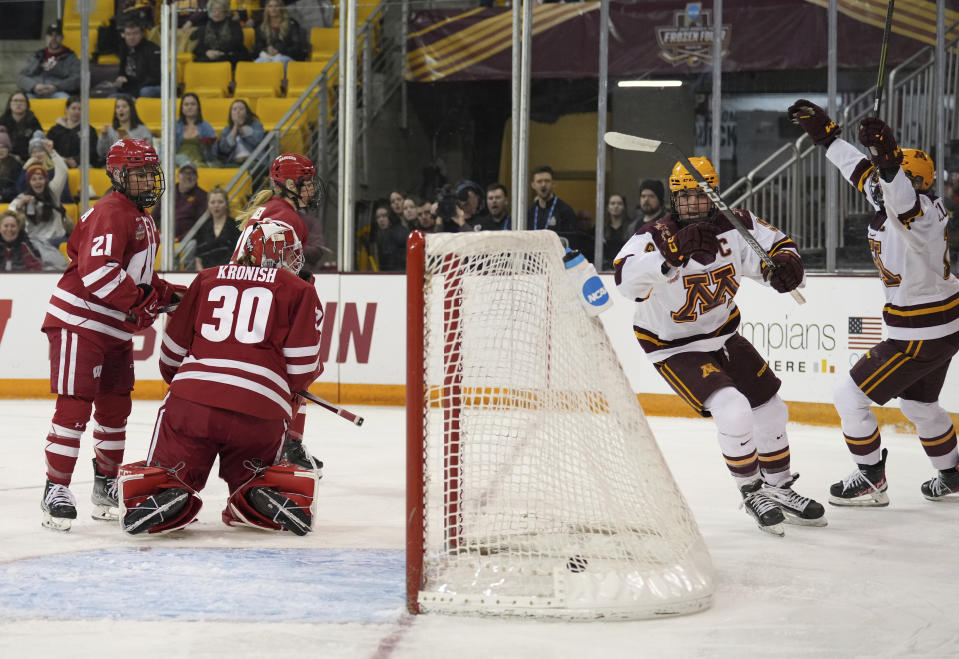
(689, 201)
(270, 244)
(134, 169)
(919, 168)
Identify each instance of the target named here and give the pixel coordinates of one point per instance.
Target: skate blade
(796, 520)
(773, 529)
(872, 500)
(56, 523)
(105, 513)
(952, 497)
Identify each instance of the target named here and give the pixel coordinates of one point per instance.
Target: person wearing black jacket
(139, 71)
(220, 39)
(279, 38)
(20, 123)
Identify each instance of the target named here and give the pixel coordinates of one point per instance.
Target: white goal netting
(542, 490)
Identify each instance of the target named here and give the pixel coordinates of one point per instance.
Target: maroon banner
(653, 38)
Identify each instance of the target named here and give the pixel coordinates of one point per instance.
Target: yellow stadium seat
(259, 79)
(182, 59)
(249, 38)
(324, 43)
(271, 110)
(208, 79)
(101, 112)
(48, 110)
(151, 113)
(99, 181)
(211, 177)
(216, 111)
(4, 207)
(300, 75)
(100, 13)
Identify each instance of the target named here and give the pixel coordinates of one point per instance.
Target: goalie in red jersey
(244, 340)
(108, 292)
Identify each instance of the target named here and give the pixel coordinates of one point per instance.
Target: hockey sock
(63, 441)
(936, 432)
(109, 432)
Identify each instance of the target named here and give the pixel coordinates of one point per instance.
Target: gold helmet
(917, 165)
(681, 179)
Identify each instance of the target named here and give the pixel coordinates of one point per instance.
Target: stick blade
(630, 142)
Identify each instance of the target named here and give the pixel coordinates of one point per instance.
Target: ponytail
(259, 199)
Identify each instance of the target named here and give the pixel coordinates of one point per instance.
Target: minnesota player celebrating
(294, 187)
(909, 244)
(108, 292)
(245, 337)
(683, 271)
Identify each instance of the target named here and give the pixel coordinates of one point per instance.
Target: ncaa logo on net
(594, 292)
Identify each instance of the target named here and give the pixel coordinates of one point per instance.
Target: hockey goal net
(534, 484)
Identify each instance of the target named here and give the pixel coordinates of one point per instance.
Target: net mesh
(545, 492)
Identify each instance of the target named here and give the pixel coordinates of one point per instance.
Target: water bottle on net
(592, 292)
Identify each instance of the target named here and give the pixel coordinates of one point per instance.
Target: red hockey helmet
(133, 154)
(270, 244)
(301, 171)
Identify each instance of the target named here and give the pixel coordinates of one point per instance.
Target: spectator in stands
(471, 199)
(279, 37)
(549, 211)
(139, 70)
(390, 239)
(616, 228)
(220, 39)
(41, 150)
(396, 206)
(650, 206)
(17, 253)
(47, 223)
(411, 208)
(126, 124)
(497, 203)
(10, 169)
(217, 238)
(20, 123)
(191, 200)
(65, 135)
(426, 220)
(52, 71)
(241, 136)
(195, 138)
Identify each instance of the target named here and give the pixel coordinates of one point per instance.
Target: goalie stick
(325, 404)
(633, 143)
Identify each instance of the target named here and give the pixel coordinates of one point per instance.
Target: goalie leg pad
(165, 502)
(296, 485)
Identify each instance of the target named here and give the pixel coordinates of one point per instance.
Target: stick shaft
(881, 78)
(336, 409)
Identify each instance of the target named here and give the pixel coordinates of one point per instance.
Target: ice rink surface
(873, 583)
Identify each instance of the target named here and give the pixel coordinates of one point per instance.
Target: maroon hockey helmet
(299, 169)
(130, 154)
(270, 244)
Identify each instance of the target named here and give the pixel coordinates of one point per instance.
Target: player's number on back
(242, 315)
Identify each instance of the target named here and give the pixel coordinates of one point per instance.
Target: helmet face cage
(269, 244)
(146, 197)
(919, 168)
(682, 185)
(300, 170)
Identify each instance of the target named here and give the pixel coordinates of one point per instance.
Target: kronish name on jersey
(246, 273)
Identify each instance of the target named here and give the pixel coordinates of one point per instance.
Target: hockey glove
(878, 138)
(788, 273)
(147, 306)
(697, 241)
(813, 119)
(171, 297)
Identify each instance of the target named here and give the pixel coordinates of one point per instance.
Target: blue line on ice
(297, 585)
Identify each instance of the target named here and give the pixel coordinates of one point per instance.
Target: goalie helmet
(919, 168)
(301, 171)
(681, 182)
(270, 244)
(128, 155)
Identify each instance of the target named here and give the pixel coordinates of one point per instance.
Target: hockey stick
(633, 143)
(339, 411)
(881, 80)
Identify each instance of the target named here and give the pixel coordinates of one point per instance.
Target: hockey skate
(273, 505)
(295, 452)
(104, 496)
(58, 506)
(762, 508)
(945, 484)
(156, 509)
(864, 487)
(796, 508)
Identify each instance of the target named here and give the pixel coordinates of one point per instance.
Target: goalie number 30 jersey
(690, 308)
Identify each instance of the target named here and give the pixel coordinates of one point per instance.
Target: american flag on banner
(864, 332)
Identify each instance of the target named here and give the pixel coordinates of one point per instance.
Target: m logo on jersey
(706, 291)
(709, 368)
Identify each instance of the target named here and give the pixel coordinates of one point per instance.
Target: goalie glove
(876, 136)
(788, 273)
(697, 241)
(813, 119)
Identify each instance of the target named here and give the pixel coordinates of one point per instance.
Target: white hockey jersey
(690, 309)
(911, 252)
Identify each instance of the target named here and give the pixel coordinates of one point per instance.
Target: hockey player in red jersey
(910, 249)
(108, 292)
(294, 187)
(245, 338)
(683, 271)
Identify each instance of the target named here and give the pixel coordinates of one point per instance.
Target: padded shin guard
(734, 425)
(136, 483)
(936, 432)
(296, 484)
(769, 434)
(63, 440)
